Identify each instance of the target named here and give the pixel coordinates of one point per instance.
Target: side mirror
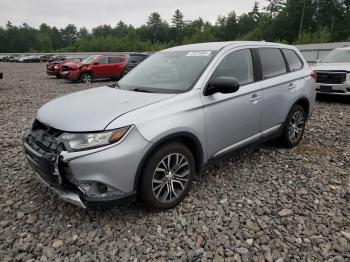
(96, 63)
(222, 84)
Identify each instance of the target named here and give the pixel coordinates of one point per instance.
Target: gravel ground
(266, 204)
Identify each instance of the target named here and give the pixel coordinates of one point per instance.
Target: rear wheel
(86, 78)
(167, 176)
(294, 127)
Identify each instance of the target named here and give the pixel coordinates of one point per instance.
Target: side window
(238, 64)
(103, 60)
(293, 60)
(114, 59)
(140, 58)
(135, 58)
(272, 62)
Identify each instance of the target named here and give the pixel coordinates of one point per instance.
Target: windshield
(167, 72)
(89, 59)
(338, 56)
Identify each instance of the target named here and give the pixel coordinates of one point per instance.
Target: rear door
(101, 69)
(278, 89)
(116, 66)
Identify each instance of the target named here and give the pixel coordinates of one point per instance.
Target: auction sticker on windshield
(199, 53)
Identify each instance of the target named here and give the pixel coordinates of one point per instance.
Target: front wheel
(167, 176)
(86, 78)
(294, 127)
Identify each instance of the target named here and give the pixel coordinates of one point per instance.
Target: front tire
(294, 127)
(86, 78)
(167, 176)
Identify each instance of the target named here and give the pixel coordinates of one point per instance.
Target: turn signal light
(313, 75)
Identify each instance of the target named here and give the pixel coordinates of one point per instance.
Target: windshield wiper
(141, 90)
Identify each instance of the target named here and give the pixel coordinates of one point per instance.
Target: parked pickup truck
(333, 73)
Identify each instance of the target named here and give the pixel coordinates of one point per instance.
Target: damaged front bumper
(46, 168)
(92, 177)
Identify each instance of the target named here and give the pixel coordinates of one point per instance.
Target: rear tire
(294, 127)
(86, 78)
(167, 176)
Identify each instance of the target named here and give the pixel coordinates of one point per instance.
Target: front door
(232, 120)
(100, 69)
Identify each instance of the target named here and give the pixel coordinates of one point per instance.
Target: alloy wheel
(87, 79)
(296, 126)
(170, 177)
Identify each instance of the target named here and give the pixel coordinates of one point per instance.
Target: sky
(90, 13)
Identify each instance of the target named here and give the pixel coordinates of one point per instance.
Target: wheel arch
(86, 72)
(186, 138)
(305, 103)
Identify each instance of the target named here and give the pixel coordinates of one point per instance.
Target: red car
(54, 68)
(95, 67)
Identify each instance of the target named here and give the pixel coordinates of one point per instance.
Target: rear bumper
(334, 89)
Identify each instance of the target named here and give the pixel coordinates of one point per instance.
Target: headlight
(56, 67)
(84, 141)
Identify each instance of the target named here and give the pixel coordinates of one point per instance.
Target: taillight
(313, 75)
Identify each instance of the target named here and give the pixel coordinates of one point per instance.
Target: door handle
(292, 86)
(255, 97)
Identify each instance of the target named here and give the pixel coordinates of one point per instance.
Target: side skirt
(252, 142)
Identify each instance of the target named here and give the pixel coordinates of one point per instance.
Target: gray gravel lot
(267, 204)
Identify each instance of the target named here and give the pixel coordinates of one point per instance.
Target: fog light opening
(98, 190)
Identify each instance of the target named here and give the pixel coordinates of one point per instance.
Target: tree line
(287, 21)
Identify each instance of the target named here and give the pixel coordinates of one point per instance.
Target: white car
(333, 73)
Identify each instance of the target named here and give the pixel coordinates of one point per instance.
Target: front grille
(329, 77)
(44, 138)
(67, 68)
(64, 68)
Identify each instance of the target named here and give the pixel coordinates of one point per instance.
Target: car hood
(332, 67)
(73, 65)
(93, 109)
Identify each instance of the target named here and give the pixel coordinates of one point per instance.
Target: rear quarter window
(136, 58)
(114, 60)
(272, 62)
(294, 61)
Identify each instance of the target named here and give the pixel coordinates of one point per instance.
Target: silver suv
(333, 73)
(152, 132)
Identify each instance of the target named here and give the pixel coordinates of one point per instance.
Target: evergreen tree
(154, 24)
(178, 25)
(280, 20)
